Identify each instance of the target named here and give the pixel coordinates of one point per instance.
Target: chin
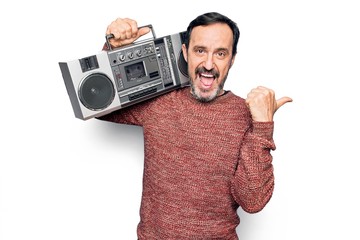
(204, 95)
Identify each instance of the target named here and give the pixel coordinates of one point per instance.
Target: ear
(184, 51)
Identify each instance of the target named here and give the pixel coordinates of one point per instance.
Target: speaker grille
(96, 91)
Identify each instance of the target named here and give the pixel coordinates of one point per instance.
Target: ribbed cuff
(264, 129)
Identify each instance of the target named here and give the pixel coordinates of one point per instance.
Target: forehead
(212, 35)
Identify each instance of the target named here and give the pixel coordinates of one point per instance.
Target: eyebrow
(216, 50)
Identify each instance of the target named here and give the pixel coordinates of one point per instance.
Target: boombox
(121, 77)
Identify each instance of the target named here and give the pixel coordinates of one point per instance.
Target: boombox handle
(108, 36)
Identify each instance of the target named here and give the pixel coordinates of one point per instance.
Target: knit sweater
(202, 161)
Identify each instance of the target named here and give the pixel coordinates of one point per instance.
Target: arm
(253, 183)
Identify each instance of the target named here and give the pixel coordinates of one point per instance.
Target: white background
(64, 178)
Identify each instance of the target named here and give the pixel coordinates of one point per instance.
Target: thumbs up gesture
(263, 105)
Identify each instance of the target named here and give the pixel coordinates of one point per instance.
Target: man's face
(209, 59)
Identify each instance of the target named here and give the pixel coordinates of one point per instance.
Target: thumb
(142, 31)
(282, 101)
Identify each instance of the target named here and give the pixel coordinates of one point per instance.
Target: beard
(211, 94)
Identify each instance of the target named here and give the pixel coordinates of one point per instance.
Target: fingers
(262, 103)
(263, 92)
(125, 31)
(261, 95)
(122, 28)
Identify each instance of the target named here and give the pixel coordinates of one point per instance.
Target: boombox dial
(130, 55)
(121, 57)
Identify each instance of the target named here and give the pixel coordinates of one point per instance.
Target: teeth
(207, 75)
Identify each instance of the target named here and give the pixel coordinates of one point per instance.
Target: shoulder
(234, 105)
(232, 99)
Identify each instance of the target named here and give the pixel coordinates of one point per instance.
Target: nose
(208, 62)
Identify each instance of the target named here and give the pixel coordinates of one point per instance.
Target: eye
(200, 51)
(221, 54)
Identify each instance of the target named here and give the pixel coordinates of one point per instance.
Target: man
(207, 151)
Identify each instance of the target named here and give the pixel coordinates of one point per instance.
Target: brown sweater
(202, 160)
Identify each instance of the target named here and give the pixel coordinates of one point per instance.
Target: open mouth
(206, 79)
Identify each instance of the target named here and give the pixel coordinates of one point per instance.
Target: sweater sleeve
(253, 182)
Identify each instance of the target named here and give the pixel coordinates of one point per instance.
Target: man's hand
(263, 105)
(125, 31)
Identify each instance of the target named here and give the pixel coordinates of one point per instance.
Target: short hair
(210, 18)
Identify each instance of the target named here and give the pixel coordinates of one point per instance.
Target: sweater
(202, 161)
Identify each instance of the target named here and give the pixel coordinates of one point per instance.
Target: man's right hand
(125, 31)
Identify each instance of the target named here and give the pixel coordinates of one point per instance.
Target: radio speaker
(96, 91)
(91, 89)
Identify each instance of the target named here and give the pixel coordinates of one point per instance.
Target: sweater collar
(218, 99)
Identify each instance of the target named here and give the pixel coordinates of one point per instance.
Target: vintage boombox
(121, 77)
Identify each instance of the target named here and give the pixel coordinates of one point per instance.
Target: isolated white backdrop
(64, 178)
